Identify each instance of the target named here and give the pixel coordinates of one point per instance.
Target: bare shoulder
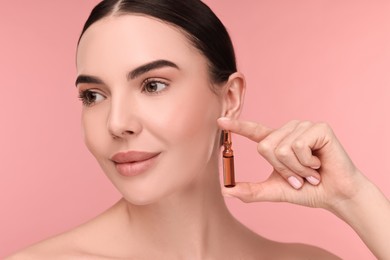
(263, 248)
(68, 245)
(304, 251)
(29, 255)
(34, 253)
(57, 247)
(44, 250)
(72, 244)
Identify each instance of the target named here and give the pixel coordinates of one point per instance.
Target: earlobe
(234, 95)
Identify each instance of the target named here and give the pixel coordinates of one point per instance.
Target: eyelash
(86, 95)
(149, 81)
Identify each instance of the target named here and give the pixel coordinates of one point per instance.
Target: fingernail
(315, 167)
(313, 180)
(294, 182)
(224, 118)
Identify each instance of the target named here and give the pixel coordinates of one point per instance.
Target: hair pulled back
(202, 27)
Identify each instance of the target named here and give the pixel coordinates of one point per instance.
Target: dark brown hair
(203, 28)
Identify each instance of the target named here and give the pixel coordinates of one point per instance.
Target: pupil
(153, 86)
(91, 96)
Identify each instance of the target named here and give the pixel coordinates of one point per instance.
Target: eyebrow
(88, 79)
(157, 64)
(151, 66)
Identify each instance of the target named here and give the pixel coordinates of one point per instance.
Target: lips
(132, 163)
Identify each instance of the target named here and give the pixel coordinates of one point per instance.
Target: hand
(311, 167)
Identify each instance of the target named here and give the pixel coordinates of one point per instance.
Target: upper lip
(132, 156)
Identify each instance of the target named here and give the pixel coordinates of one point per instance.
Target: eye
(89, 97)
(152, 86)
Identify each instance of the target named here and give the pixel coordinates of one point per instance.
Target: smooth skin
(175, 210)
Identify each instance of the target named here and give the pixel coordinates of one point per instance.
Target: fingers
(274, 189)
(311, 167)
(297, 157)
(297, 144)
(295, 165)
(288, 149)
(254, 131)
(277, 155)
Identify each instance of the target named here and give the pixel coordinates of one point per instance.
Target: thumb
(269, 190)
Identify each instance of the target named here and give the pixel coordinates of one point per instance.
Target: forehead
(132, 39)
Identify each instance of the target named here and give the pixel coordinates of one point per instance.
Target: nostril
(122, 125)
(122, 134)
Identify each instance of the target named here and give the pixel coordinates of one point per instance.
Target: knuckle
(305, 124)
(301, 171)
(325, 127)
(264, 147)
(283, 152)
(293, 123)
(305, 161)
(298, 144)
(251, 194)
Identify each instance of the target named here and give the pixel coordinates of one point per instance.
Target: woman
(158, 82)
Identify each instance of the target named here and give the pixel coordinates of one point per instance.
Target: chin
(150, 187)
(141, 200)
(142, 193)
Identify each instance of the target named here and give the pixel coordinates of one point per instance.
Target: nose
(123, 119)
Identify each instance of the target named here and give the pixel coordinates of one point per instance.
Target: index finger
(252, 130)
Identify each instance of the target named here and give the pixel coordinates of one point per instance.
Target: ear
(233, 95)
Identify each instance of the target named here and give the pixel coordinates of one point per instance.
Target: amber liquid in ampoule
(228, 160)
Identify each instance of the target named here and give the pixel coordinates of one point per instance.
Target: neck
(187, 221)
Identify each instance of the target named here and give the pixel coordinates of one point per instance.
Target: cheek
(93, 129)
(189, 128)
(189, 116)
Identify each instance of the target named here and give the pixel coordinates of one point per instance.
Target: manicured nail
(315, 167)
(313, 180)
(294, 182)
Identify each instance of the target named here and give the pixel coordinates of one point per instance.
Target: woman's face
(147, 89)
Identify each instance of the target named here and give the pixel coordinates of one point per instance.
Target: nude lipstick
(132, 163)
(228, 160)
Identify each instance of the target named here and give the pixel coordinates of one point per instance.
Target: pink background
(317, 60)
